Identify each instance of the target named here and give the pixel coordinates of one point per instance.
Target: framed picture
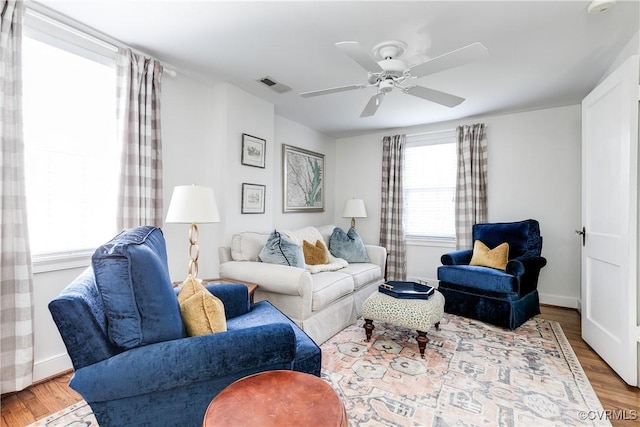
(253, 198)
(303, 180)
(253, 151)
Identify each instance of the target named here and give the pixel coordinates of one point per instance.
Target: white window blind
(71, 153)
(429, 186)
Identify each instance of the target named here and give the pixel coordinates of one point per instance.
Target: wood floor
(25, 407)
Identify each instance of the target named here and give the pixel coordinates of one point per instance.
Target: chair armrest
(377, 255)
(279, 279)
(521, 265)
(461, 257)
(171, 364)
(234, 296)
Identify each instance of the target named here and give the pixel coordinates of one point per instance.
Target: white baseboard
(559, 301)
(51, 367)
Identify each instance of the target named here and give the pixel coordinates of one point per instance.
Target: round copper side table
(277, 398)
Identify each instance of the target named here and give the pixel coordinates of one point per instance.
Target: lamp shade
(192, 204)
(354, 208)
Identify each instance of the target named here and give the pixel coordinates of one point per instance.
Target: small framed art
(253, 198)
(253, 151)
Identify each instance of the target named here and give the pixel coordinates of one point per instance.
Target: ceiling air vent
(274, 85)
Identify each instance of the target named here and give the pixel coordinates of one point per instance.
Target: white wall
(292, 133)
(534, 172)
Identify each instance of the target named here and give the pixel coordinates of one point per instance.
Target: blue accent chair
(163, 381)
(504, 298)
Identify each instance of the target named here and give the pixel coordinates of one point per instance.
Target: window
(430, 186)
(71, 154)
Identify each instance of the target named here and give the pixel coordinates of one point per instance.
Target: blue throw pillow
(348, 246)
(133, 280)
(280, 249)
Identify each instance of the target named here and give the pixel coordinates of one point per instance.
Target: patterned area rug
(473, 374)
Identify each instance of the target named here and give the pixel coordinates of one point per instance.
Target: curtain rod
(411, 135)
(66, 24)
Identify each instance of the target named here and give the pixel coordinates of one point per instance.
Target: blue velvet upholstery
(281, 250)
(171, 382)
(504, 298)
(133, 281)
(348, 246)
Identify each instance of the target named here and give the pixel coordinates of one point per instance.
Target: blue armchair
(504, 298)
(139, 368)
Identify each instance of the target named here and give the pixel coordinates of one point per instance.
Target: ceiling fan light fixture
(386, 85)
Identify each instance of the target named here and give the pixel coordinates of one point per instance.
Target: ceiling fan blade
(361, 56)
(434, 96)
(455, 58)
(372, 106)
(331, 90)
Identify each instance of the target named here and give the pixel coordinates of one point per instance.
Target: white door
(610, 218)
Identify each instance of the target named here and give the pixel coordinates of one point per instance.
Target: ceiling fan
(388, 71)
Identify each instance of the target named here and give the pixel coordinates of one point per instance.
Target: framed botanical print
(303, 180)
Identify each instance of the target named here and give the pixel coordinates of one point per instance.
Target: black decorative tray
(406, 290)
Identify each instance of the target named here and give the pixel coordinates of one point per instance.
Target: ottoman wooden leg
(422, 342)
(368, 328)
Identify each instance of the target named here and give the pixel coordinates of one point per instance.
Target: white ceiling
(541, 53)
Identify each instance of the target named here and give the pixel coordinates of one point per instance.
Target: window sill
(61, 261)
(425, 241)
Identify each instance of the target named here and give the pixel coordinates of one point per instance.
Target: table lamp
(354, 208)
(193, 204)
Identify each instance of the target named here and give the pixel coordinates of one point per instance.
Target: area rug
(473, 374)
(77, 415)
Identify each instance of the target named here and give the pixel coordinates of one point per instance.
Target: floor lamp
(193, 204)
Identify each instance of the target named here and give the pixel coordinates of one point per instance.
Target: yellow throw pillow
(315, 254)
(202, 313)
(494, 258)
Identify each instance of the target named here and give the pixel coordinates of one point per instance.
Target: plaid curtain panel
(140, 193)
(471, 186)
(392, 204)
(16, 279)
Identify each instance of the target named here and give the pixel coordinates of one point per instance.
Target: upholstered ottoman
(418, 314)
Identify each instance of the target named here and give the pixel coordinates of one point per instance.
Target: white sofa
(322, 304)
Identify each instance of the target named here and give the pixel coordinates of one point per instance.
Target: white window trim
(52, 31)
(57, 261)
(418, 140)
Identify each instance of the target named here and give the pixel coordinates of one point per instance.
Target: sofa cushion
(363, 273)
(133, 281)
(348, 246)
(482, 278)
(280, 249)
(246, 246)
(329, 286)
(202, 312)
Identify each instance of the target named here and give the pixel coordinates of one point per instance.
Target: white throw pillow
(326, 231)
(246, 246)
